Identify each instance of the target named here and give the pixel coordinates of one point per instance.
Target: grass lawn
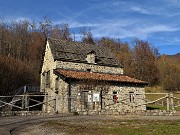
(116, 127)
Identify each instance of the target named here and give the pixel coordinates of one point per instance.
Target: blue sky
(156, 21)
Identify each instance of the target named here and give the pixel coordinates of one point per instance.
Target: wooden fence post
(167, 99)
(23, 102)
(26, 103)
(172, 103)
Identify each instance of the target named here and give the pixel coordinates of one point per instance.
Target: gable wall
(48, 65)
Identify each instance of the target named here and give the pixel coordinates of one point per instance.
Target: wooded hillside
(22, 44)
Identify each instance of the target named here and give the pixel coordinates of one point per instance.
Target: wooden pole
(23, 102)
(26, 103)
(162, 102)
(172, 103)
(167, 99)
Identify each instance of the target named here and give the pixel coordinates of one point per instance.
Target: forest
(22, 44)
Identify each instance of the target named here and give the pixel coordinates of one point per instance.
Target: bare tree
(45, 26)
(144, 60)
(87, 36)
(61, 32)
(169, 73)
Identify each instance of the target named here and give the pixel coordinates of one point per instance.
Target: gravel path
(32, 125)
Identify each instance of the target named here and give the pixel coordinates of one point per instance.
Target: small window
(97, 60)
(131, 97)
(115, 96)
(91, 56)
(48, 79)
(57, 85)
(89, 70)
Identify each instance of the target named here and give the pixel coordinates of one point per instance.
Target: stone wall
(130, 98)
(91, 112)
(92, 67)
(135, 113)
(63, 95)
(69, 97)
(158, 113)
(59, 98)
(48, 66)
(106, 103)
(21, 113)
(84, 90)
(140, 113)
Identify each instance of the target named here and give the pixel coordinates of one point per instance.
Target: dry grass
(115, 127)
(154, 89)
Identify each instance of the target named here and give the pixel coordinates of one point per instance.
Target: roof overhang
(81, 75)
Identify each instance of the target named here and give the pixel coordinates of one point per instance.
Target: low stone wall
(139, 113)
(159, 113)
(21, 113)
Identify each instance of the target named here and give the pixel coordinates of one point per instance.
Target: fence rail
(159, 101)
(25, 102)
(165, 101)
(171, 101)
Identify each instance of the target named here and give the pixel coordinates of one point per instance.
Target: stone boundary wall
(159, 113)
(136, 113)
(21, 113)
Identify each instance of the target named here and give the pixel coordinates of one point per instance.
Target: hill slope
(175, 56)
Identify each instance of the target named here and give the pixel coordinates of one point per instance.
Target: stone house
(87, 79)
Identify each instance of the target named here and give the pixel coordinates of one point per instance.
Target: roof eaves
(134, 81)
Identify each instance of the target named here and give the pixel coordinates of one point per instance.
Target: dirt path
(34, 125)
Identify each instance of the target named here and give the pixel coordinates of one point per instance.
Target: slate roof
(98, 76)
(77, 52)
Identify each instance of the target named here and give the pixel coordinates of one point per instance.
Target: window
(43, 80)
(115, 96)
(48, 79)
(57, 85)
(131, 97)
(91, 57)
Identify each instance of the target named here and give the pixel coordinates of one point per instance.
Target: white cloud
(131, 31)
(76, 24)
(172, 40)
(17, 19)
(140, 10)
(22, 19)
(174, 2)
(158, 28)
